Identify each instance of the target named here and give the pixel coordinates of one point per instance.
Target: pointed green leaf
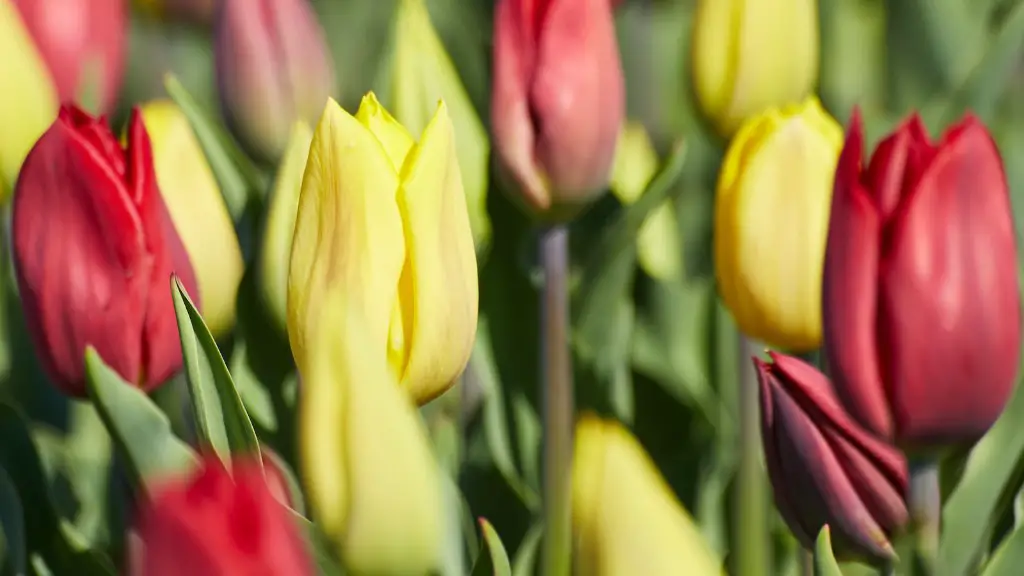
(319, 548)
(12, 529)
(526, 556)
(824, 561)
(1008, 557)
(138, 428)
(493, 560)
(291, 481)
(220, 415)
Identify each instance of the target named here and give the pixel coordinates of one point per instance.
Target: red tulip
(94, 248)
(921, 304)
(558, 100)
(82, 41)
(217, 523)
(824, 468)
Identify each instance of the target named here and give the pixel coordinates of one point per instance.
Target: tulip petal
(950, 303)
(895, 162)
(438, 292)
(392, 136)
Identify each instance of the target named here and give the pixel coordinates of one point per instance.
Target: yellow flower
(28, 104)
(750, 55)
(626, 519)
(197, 208)
(771, 220)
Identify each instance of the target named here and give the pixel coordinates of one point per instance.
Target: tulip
(558, 100)
(824, 468)
(921, 301)
(626, 519)
(94, 249)
(422, 74)
(748, 56)
(25, 113)
(382, 304)
(771, 220)
(83, 43)
(273, 68)
(193, 198)
(217, 522)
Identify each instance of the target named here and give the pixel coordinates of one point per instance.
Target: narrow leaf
(1008, 557)
(526, 556)
(12, 524)
(318, 546)
(493, 560)
(824, 561)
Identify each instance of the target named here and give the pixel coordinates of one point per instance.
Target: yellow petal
(392, 135)
(771, 219)
(280, 225)
(28, 104)
(423, 73)
(438, 294)
(626, 519)
(197, 208)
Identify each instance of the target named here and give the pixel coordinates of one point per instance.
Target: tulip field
(511, 287)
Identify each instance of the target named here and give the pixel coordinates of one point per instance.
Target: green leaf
(139, 429)
(493, 560)
(237, 176)
(12, 529)
(1008, 557)
(220, 415)
(319, 547)
(526, 556)
(291, 481)
(824, 561)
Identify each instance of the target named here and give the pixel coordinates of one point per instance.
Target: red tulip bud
(217, 523)
(94, 248)
(825, 469)
(920, 302)
(83, 44)
(558, 100)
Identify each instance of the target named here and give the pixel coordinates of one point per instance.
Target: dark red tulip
(824, 468)
(218, 523)
(921, 303)
(94, 248)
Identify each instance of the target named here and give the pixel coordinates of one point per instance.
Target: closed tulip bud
(771, 222)
(921, 301)
(824, 468)
(750, 56)
(382, 304)
(94, 249)
(193, 197)
(625, 517)
(558, 101)
(25, 113)
(219, 522)
(273, 69)
(83, 43)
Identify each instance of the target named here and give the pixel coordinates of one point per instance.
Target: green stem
(925, 502)
(751, 528)
(557, 394)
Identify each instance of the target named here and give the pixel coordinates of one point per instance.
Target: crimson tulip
(824, 468)
(218, 522)
(83, 42)
(558, 100)
(921, 303)
(94, 249)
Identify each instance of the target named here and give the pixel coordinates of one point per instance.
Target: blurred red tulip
(825, 469)
(558, 100)
(82, 42)
(217, 523)
(94, 248)
(920, 301)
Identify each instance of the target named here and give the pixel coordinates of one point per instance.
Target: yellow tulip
(771, 221)
(197, 208)
(747, 56)
(626, 519)
(28, 104)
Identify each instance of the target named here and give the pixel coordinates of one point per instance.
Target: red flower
(218, 523)
(94, 249)
(921, 303)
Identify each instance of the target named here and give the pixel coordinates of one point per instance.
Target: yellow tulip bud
(28, 104)
(423, 74)
(625, 517)
(749, 56)
(771, 220)
(193, 198)
(280, 224)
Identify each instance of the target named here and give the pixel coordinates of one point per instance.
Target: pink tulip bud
(558, 100)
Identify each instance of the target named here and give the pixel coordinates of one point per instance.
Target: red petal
(889, 164)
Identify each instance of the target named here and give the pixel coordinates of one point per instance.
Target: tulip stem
(557, 394)
(752, 545)
(925, 502)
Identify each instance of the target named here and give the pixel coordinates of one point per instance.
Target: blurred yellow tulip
(197, 208)
(28, 104)
(771, 220)
(747, 56)
(626, 519)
